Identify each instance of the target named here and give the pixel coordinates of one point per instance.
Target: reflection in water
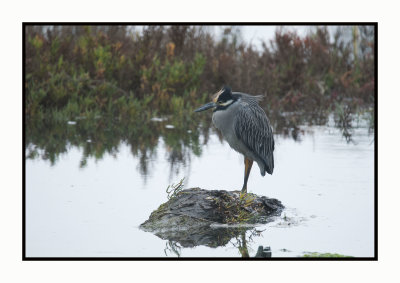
(173, 248)
(238, 237)
(80, 212)
(182, 135)
(49, 139)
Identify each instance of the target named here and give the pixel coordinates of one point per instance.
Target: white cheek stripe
(227, 103)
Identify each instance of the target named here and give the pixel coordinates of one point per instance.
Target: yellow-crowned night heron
(245, 127)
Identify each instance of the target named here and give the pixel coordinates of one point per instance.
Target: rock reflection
(213, 237)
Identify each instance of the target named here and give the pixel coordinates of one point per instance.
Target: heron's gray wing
(253, 129)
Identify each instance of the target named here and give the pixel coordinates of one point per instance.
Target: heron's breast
(224, 122)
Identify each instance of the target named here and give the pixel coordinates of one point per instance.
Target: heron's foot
(244, 190)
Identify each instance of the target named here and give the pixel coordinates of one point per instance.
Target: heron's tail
(269, 165)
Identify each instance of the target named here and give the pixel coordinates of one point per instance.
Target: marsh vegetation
(96, 87)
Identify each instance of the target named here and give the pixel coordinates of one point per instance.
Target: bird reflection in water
(239, 240)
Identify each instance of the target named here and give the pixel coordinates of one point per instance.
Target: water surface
(79, 204)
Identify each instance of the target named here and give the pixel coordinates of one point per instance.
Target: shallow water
(326, 184)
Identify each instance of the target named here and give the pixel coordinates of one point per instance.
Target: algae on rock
(195, 207)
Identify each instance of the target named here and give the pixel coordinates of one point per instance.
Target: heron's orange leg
(247, 168)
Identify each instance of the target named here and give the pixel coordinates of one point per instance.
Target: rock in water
(196, 208)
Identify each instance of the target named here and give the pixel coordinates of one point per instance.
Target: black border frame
(374, 258)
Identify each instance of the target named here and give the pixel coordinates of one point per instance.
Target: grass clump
(174, 189)
(237, 210)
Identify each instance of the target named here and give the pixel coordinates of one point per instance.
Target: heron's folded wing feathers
(253, 129)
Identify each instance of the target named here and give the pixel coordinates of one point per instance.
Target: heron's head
(221, 100)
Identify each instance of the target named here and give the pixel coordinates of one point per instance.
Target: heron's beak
(206, 106)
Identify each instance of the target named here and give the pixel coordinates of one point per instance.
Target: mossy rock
(196, 207)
